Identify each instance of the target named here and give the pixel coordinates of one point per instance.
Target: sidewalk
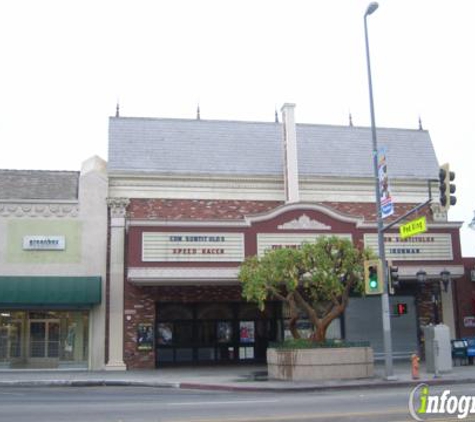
(230, 378)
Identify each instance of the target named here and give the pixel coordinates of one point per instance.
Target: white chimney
(291, 173)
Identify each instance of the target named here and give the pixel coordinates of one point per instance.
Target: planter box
(320, 363)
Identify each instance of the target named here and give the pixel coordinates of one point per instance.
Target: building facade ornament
(118, 207)
(19, 210)
(438, 214)
(304, 222)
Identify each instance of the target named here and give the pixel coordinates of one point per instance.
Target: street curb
(232, 388)
(340, 387)
(88, 383)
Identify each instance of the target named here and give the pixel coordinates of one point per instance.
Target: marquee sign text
(176, 247)
(433, 247)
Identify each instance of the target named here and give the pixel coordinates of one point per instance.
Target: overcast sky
(65, 65)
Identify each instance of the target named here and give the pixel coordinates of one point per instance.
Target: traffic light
(393, 277)
(446, 188)
(373, 277)
(400, 309)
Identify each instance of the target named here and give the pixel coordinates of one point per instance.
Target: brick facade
(199, 209)
(141, 301)
(464, 297)
(140, 307)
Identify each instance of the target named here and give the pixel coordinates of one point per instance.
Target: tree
(316, 279)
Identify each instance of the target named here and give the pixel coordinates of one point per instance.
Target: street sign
(413, 227)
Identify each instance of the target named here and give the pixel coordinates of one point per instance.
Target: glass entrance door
(44, 339)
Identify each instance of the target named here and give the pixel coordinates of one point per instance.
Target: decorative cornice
(43, 209)
(304, 222)
(155, 276)
(118, 206)
(430, 225)
(151, 179)
(255, 218)
(186, 223)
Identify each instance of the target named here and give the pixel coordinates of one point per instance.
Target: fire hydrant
(415, 366)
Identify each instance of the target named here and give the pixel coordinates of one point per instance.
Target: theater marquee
(427, 247)
(194, 247)
(270, 241)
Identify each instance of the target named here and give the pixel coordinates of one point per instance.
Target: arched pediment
(304, 221)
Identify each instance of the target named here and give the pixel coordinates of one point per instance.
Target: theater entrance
(217, 333)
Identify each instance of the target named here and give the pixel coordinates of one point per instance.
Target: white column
(116, 284)
(291, 172)
(448, 309)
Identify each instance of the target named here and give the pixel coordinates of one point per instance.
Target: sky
(65, 64)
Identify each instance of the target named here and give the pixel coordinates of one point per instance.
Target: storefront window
(43, 339)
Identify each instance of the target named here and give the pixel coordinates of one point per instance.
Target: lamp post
(445, 277)
(421, 276)
(388, 356)
(472, 223)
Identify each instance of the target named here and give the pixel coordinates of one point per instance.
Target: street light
(371, 8)
(445, 277)
(472, 223)
(386, 316)
(421, 277)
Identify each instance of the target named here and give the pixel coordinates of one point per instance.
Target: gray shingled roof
(38, 184)
(207, 147)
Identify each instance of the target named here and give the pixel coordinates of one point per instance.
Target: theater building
(53, 240)
(189, 199)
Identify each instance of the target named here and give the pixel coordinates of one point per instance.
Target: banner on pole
(387, 206)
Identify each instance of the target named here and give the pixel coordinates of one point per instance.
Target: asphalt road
(140, 404)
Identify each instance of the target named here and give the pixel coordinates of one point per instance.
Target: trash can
(470, 349)
(437, 348)
(459, 351)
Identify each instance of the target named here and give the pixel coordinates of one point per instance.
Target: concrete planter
(320, 363)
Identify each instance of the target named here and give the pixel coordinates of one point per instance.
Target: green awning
(17, 291)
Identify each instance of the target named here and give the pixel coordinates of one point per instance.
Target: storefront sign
(44, 243)
(412, 228)
(469, 321)
(204, 247)
(270, 241)
(429, 247)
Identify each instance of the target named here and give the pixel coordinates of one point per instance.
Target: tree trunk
(294, 316)
(320, 333)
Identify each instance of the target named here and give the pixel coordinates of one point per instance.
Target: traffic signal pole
(386, 316)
